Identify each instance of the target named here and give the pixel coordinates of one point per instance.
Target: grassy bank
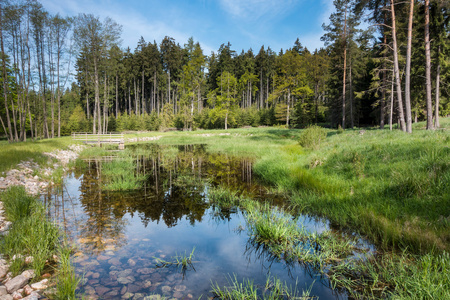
(390, 186)
(33, 235)
(13, 153)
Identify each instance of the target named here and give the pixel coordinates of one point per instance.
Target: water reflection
(121, 235)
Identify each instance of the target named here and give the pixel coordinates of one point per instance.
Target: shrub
(312, 136)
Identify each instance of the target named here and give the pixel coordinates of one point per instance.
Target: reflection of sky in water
(221, 250)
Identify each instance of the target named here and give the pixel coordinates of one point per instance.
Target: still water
(121, 236)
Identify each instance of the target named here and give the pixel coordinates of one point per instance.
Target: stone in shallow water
(126, 280)
(111, 294)
(89, 290)
(133, 288)
(131, 262)
(146, 284)
(124, 273)
(178, 295)
(166, 289)
(153, 297)
(101, 290)
(93, 281)
(180, 288)
(103, 257)
(138, 296)
(114, 261)
(127, 296)
(145, 271)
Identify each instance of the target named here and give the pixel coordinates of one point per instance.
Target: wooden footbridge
(100, 138)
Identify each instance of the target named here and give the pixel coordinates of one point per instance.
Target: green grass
(33, 234)
(17, 203)
(67, 281)
(121, 175)
(391, 187)
(273, 289)
(13, 153)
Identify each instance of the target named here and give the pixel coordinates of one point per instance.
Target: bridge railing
(101, 138)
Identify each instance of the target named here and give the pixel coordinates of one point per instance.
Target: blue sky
(244, 23)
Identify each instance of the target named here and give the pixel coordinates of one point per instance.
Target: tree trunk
(117, 95)
(345, 69)
(352, 122)
(408, 70)
(392, 102)
(428, 67)
(438, 80)
(397, 71)
(144, 106)
(5, 83)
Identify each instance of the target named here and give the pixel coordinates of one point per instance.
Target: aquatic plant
(272, 290)
(121, 175)
(182, 261)
(66, 279)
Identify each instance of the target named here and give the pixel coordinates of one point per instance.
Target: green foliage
(396, 276)
(144, 122)
(273, 289)
(167, 116)
(77, 121)
(312, 137)
(13, 153)
(17, 203)
(121, 175)
(33, 234)
(66, 280)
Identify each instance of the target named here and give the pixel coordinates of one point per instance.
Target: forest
(384, 64)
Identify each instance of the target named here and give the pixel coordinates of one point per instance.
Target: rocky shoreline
(35, 180)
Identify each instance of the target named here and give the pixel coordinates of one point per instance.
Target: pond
(121, 237)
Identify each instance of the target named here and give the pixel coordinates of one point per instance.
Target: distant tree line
(393, 71)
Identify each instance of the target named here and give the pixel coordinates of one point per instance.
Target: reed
(31, 233)
(273, 289)
(66, 281)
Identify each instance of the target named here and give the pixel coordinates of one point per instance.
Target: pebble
(34, 184)
(24, 174)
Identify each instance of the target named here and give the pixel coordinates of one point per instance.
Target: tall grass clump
(33, 234)
(225, 198)
(395, 276)
(312, 137)
(122, 175)
(272, 290)
(67, 281)
(17, 203)
(272, 227)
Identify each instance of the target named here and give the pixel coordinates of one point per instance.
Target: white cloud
(251, 10)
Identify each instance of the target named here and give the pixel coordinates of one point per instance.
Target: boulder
(16, 283)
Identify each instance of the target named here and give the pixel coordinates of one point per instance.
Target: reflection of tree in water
(103, 228)
(177, 182)
(176, 188)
